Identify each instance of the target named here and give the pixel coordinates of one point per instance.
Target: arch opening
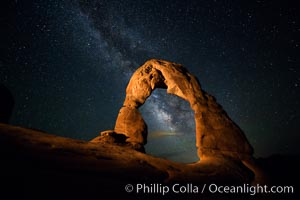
(171, 127)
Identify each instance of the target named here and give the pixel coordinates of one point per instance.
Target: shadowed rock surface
(37, 165)
(216, 133)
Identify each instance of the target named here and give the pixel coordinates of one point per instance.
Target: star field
(67, 64)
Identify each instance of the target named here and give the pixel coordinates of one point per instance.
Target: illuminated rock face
(216, 133)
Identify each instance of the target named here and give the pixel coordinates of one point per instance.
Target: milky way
(67, 63)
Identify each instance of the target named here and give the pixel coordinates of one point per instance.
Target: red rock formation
(216, 133)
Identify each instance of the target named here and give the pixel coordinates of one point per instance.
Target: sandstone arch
(216, 133)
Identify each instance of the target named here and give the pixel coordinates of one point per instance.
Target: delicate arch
(216, 133)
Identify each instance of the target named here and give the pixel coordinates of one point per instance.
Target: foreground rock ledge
(23, 146)
(37, 165)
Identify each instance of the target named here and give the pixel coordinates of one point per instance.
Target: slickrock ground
(37, 165)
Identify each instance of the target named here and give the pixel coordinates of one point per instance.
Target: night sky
(67, 64)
